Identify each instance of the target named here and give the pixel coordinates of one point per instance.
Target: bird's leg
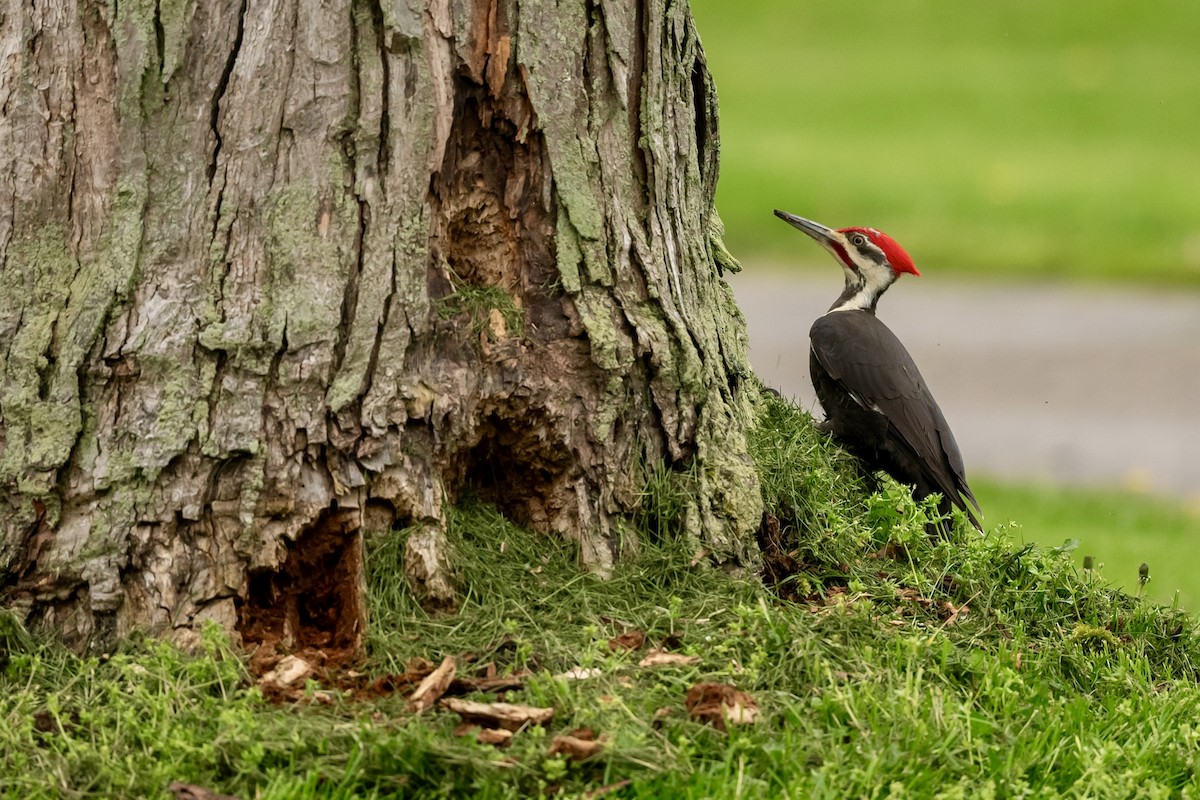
(823, 426)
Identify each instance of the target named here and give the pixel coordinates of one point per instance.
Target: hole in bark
(515, 467)
(314, 600)
(493, 230)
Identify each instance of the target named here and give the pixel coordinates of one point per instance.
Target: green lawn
(1015, 138)
(1121, 530)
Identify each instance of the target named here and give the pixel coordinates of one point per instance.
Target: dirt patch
(780, 564)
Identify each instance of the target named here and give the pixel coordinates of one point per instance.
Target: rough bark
(277, 272)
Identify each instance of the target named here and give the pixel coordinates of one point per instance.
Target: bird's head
(871, 259)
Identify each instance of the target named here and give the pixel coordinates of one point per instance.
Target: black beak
(814, 229)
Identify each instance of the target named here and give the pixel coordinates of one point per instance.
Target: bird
(876, 403)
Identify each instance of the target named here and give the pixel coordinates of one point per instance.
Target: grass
(903, 667)
(1119, 529)
(478, 304)
(1006, 138)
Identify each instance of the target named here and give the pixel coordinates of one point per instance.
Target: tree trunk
(274, 273)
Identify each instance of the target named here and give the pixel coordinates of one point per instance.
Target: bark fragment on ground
(432, 687)
(509, 716)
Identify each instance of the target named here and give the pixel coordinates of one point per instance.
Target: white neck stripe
(859, 302)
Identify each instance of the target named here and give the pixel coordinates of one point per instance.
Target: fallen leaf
(719, 704)
(630, 640)
(499, 715)
(889, 550)
(913, 596)
(434, 685)
(659, 658)
(954, 612)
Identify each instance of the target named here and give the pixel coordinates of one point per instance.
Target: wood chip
(579, 745)
(494, 736)
(580, 674)
(289, 671)
(499, 715)
(497, 328)
(660, 658)
(433, 686)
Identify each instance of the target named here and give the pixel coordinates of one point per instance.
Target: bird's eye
(858, 240)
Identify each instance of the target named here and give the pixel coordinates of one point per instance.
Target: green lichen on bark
(137, 48)
(307, 263)
(39, 430)
(173, 16)
(683, 322)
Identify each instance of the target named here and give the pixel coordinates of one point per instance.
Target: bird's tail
(946, 507)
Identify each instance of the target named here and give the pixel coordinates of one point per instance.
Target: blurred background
(1041, 163)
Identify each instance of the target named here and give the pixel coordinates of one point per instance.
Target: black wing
(868, 362)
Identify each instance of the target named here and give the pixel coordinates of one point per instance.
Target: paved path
(1071, 384)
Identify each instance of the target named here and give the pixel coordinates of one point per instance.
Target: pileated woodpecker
(875, 400)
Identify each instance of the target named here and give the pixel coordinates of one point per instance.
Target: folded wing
(866, 360)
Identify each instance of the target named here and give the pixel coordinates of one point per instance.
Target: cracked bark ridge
(273, 274)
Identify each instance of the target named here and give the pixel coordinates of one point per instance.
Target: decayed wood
(268, 270)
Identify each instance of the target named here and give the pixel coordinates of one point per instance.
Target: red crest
(899, 259)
